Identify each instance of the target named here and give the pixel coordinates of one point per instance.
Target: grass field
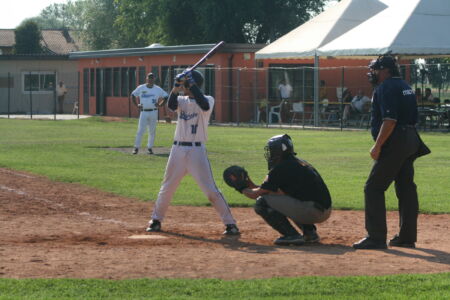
(77, 151)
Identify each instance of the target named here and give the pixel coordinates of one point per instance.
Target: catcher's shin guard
(276, 220)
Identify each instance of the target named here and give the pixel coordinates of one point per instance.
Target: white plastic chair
(297, 108)
(275, 111)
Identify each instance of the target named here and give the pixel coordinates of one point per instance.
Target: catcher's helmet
(198, 78)
(277, 148)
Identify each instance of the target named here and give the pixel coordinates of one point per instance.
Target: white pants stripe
(147, 119)
(192, 160)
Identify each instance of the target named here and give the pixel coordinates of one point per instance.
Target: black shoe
(397, 242)
(150, 151)
(311, 237)
(231, 229)
(287, 240)
(154, 226)
(368, 243)
(135, 151)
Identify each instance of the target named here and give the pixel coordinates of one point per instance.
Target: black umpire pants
(394, 164)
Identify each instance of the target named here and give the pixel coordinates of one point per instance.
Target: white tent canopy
(407, 28)
(322, 29)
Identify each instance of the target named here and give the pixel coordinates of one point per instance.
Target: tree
(173, 22)
(28, 38)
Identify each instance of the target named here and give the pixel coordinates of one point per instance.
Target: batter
(188, 153)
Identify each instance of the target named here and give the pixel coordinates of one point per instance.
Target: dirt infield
(59, 230)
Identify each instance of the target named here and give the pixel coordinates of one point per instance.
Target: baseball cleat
(154, 226)
(135, 151)
(397, 242)
(295, 240)
(311, 237)
(150, 151)
(231, 229)
(368, 243)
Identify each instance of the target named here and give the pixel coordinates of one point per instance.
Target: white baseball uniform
(188, 155)
(149, 112)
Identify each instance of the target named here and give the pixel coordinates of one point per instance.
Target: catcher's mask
(383, 62)
(278, 147)
(198, 78)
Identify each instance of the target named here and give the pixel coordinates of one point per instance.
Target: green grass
(76, 151)
(433, 286)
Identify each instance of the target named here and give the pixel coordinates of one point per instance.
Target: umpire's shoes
(154, 226)
(150, 151)
(295, 240)
(135, 151)
(231, 229)
(397, 242)
(368, 243)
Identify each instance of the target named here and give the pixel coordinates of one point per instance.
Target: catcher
(293, 190)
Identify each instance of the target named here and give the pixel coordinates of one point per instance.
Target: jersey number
(194, 128)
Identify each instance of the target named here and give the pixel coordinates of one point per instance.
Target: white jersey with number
(192, 120)
(191, 158)
(149, 96)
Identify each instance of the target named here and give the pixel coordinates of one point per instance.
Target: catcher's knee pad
(261, 207)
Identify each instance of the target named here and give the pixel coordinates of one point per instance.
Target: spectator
(360, 104)
(61, 92)
(428, 97)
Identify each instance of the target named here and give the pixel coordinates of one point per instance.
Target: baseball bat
(201, 60)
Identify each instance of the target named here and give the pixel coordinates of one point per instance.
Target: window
(108, 82)
(132, 80)
(92, 82)
(38, 82)
(142, 75)
(116, 82)
(124, 82)
(86, 82)
(155, 71)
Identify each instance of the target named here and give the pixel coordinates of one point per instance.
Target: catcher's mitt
(236, 177)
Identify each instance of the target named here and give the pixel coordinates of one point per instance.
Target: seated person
(428, 97)
(360, 104)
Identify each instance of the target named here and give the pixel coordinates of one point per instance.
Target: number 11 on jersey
(194, 128)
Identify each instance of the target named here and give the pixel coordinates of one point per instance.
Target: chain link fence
(285, 95)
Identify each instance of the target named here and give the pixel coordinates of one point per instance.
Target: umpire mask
(277, 148)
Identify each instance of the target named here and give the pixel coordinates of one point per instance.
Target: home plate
(146, 237)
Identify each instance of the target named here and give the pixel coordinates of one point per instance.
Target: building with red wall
(107, 77)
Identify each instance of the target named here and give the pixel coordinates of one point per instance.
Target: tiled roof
(56, 41)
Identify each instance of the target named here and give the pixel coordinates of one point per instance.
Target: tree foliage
(108, 24)
(28, 38)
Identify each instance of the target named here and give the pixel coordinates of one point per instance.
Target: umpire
(397, 145)
(293, 190)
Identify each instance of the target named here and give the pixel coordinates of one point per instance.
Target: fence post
(316, 90)
(78, 95)
(303, 97)
(9, 93)
(238, 95)
(54, 97)
(31, 98)
(341, 110)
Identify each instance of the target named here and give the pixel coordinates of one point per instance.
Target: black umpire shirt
(298, 179)
(393, 99)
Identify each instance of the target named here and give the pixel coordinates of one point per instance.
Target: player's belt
(150, 109)
(190, 144)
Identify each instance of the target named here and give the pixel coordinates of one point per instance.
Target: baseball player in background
(149, 95)
(188, 153)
